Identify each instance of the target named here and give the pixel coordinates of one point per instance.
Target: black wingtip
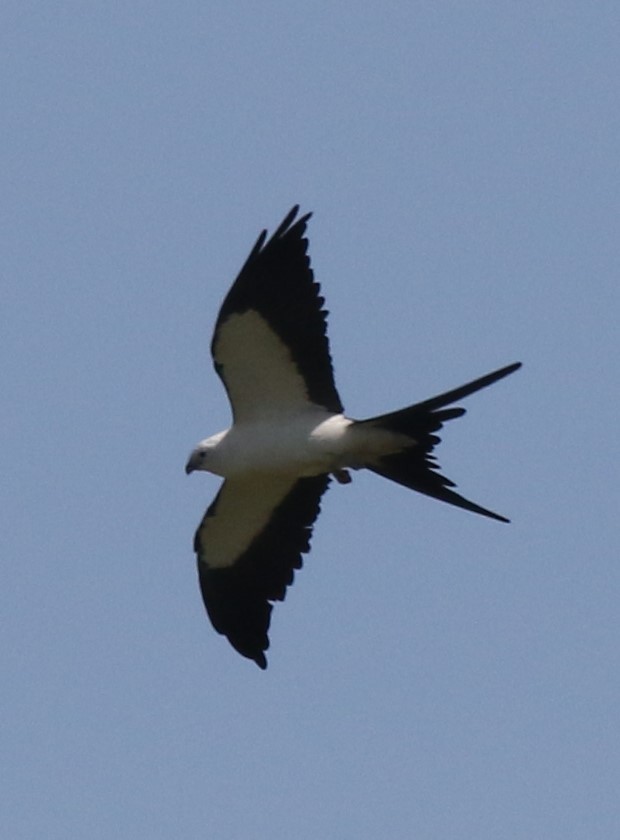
(290, 221)
(286, 225)
(286, 222)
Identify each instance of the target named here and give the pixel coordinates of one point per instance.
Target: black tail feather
(467, 389)
(412, 469)
(415, 466)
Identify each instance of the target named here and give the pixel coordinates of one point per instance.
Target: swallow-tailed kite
(289, 435)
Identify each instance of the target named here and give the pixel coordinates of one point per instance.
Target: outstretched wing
(270, 342)
(248, 546)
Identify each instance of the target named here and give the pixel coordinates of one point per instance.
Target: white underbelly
(301, 447)
(305, 446)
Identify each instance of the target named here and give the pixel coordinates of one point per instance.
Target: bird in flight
(289, 436)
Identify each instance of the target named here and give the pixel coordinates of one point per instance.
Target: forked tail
(415, 466)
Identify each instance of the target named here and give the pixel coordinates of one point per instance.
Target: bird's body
(307, 444)
(289, 435)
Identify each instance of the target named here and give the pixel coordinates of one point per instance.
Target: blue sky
(432, 674)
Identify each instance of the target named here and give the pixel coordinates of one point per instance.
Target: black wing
(270, 343)
(248, 546)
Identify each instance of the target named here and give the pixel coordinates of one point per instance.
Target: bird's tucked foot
(342, 476)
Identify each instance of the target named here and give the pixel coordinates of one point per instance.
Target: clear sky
(432, 674)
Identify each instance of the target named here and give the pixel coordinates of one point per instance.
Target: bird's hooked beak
(196, 460)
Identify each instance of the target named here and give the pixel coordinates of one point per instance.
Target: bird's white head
(203, 457)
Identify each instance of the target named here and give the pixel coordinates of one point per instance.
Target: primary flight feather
(289, 435)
